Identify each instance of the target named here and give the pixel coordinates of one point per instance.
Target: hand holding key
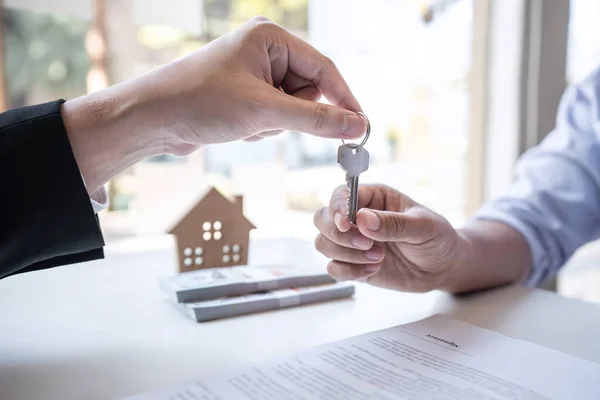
(396, 242)
(251, 83)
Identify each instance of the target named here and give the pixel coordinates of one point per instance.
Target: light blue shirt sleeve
(554, 201)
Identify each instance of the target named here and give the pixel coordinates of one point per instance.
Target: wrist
(489, 254)
(454, 276)
(109, 131)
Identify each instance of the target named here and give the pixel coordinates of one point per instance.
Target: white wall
(185, 15)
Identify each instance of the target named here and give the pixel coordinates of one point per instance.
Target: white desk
(103, 330)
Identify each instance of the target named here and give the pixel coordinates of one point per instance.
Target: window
(584, 39)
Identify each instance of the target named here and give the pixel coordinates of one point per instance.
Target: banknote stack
(216, 293)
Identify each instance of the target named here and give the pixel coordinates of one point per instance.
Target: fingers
(412, 226)
(338, 208)
(306, 62)
(349, 239)
(377, 197)
(342, 271)
(354, 256)
(345, 254)
(304, 73)
(295, 65)
(289, 53)
(401, 219)
(294, 85)
(309, 93)
(319, 119)
(372, 196)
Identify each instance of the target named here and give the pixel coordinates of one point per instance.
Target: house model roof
(212, 205)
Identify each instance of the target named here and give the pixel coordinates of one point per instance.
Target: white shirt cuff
(99, 200)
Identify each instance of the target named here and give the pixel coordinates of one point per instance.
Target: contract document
(435, 358)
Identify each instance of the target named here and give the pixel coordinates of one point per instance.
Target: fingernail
(354, 125)
(372, 220)
(372, 268)
(361, 242)
(338, 218)
(374, 254)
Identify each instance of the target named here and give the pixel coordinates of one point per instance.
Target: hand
(396, 243)
(253, 82)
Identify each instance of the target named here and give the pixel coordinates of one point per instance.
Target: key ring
(367, 133)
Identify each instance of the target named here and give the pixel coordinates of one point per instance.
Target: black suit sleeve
(46, 217)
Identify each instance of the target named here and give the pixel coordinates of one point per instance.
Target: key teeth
(348, 198)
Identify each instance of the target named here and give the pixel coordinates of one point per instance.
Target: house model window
(213, 233)
(231, 254)
(212, 230)
(188, 256)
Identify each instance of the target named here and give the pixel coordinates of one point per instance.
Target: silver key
(353, 159)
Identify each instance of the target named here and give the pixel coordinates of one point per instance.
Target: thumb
(319, 119)
(391, 226)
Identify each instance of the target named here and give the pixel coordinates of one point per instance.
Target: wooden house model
(213, 233)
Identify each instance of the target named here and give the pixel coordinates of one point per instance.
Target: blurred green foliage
(45, 55)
